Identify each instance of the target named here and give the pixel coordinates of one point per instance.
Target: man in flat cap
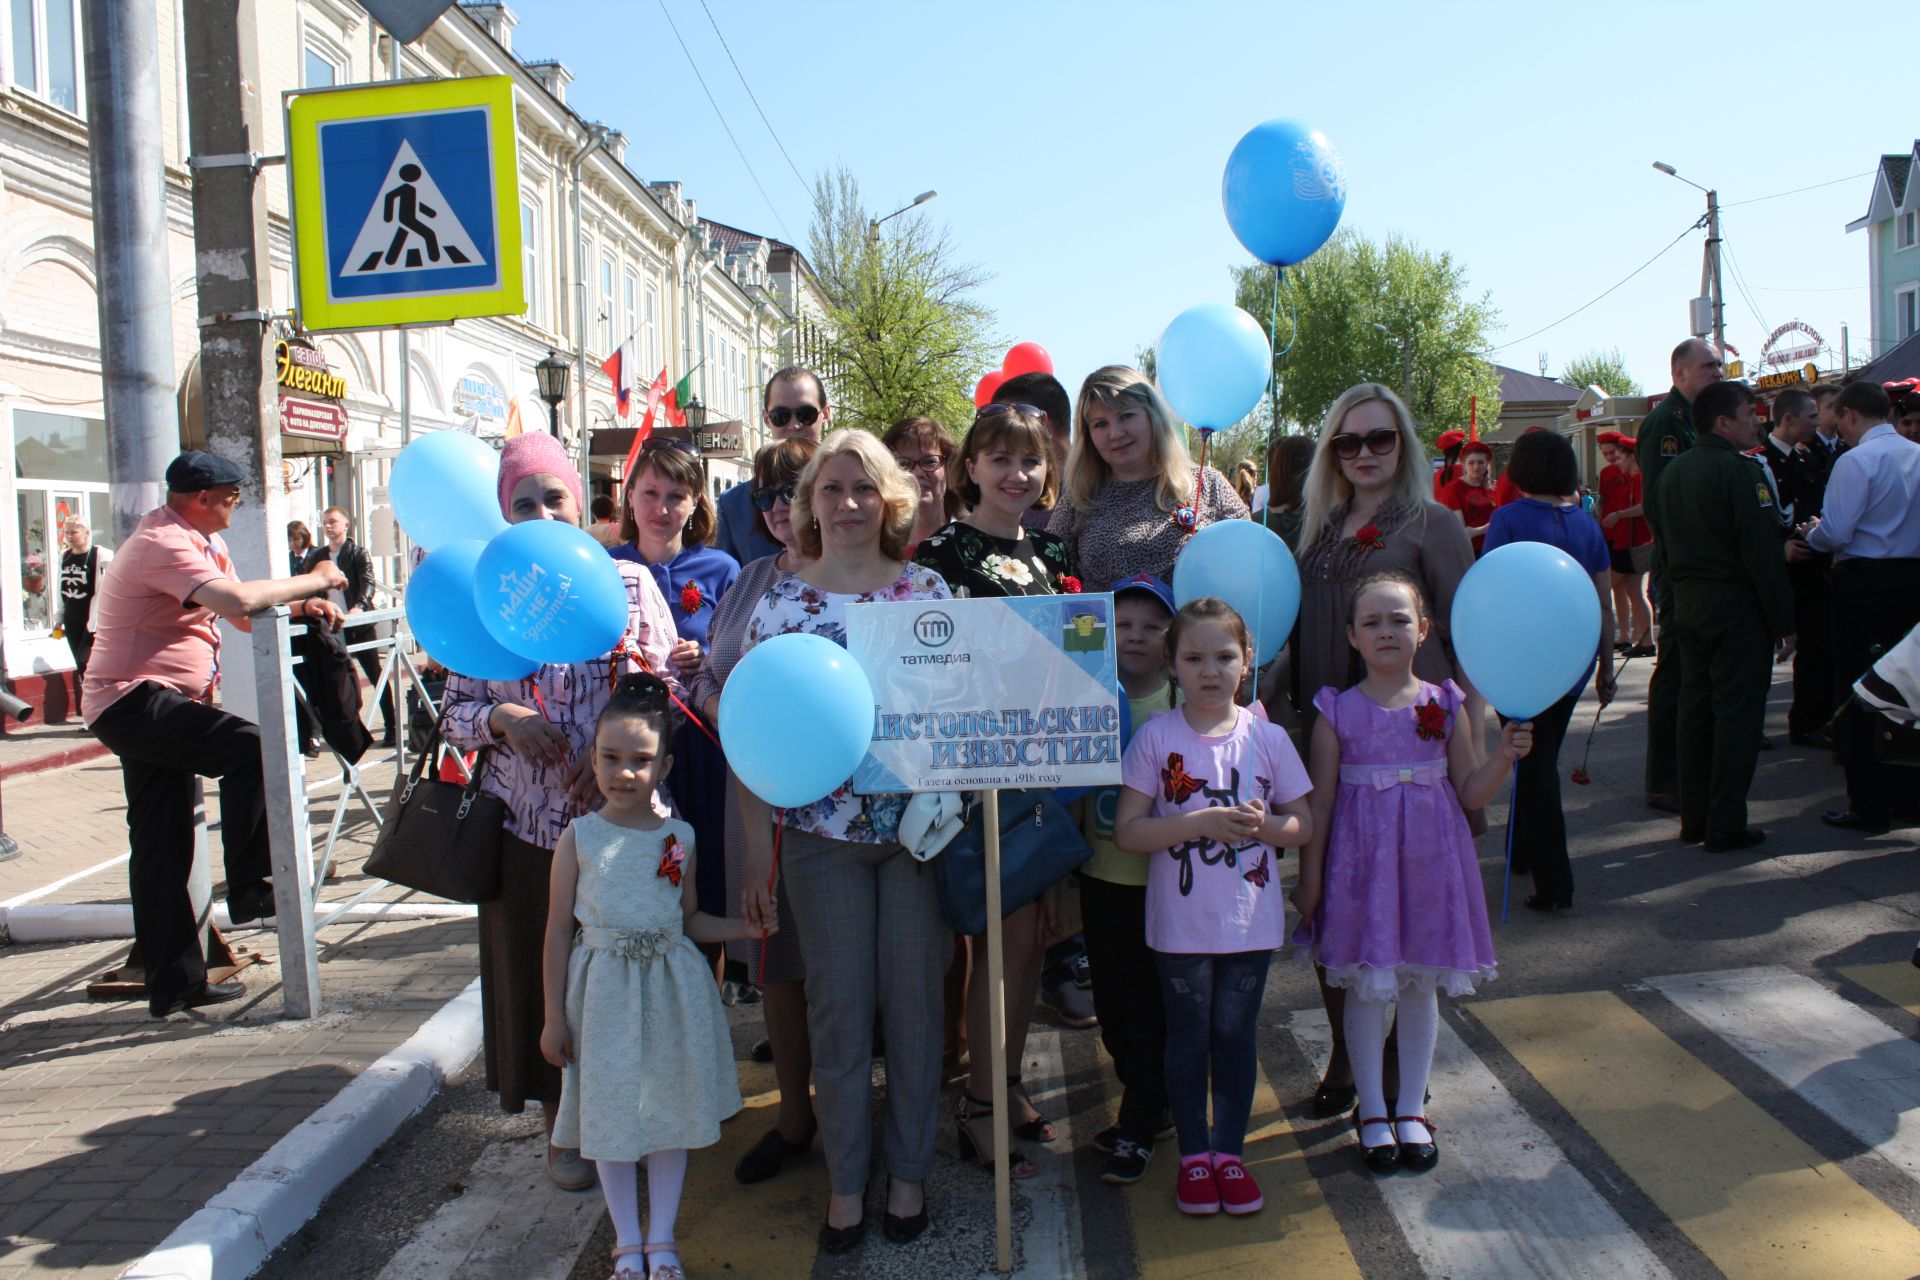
(149, 698)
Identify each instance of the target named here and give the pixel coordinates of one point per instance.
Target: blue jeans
(1213, 1010)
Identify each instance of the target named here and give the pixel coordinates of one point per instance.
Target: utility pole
(225, 129)
(1713, 257)
(130, 247)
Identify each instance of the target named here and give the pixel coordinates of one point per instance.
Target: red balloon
(1027, 357)
(990, 383)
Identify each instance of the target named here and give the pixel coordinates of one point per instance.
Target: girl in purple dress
(1389, 885)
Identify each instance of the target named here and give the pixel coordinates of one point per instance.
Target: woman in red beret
(1469, 493)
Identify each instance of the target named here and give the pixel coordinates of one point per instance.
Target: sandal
(969, 1110)
(669, 1270)
(1038, 1129)
(628, 1251)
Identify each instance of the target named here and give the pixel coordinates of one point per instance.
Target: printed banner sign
(1017, 692)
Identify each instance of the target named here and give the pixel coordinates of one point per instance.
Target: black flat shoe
(762, 1051)
(901, 1230)
(1417, 1156)
(1381, 1159)
(205, 994)
(1848, 820)
(255, 902)
(1550, 902)
(1734, 841)
(1663, 801)
(766, 1157)
(1688, 836)
(1819, 739)
(1332, 1099)
(841, 1239)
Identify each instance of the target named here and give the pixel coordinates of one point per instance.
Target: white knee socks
(620, 1185)
(1365, 1023)
(666, 1175)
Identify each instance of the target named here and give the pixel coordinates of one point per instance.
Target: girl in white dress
(633, 1017)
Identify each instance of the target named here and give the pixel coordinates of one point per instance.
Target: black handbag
(1040, 844)
(441, 837)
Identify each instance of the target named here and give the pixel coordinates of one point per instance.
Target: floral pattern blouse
(793, 605)
(977, 563)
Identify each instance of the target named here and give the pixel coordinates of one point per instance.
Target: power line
(1740, 281)
(1583, 306)
(1797, 190)
(738, 150)
(755, 101)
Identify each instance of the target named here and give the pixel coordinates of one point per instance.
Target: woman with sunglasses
(1370, 510)
(1134, 495)
(777, 968)
(1002, 471)
(923, 449)
(666, 527)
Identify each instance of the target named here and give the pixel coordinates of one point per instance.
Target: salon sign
(1016, 692)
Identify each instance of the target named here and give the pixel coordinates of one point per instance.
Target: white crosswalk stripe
(510, 1223)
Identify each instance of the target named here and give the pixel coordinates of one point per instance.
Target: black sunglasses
(764, 496)
(1378, 442)
(988, 410)
(806, 415)
(653, 443)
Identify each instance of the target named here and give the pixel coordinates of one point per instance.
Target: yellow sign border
(307, 111)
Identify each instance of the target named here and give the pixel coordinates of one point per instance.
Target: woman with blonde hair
(1369, 511)
(871, 930)
(1133, 495)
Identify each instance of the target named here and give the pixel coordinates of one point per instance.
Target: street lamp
(873, 228)
(696, 418)
(1406, 361)
(1710, 265)
(552, 374)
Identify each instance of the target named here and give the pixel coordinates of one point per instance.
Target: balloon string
(640, 660)
(773, 874)
(1506, 889)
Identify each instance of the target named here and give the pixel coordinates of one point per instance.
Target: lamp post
(552, 375)
(873, 228)
(1406, 362)
(1710, 265)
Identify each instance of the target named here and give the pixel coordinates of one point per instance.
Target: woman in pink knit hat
(537, 734)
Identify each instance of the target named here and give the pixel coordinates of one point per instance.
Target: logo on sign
(933, 629)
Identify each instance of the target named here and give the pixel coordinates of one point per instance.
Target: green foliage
(1606, 370)
(907, 333)
(1328, 306)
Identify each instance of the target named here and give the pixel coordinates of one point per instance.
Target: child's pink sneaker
(1197, 1192)
(1239, 1193)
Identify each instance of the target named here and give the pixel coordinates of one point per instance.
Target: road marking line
(1897, 983)
(1503, 1201)
(510, 1222)
(34, 895)
(1842, 1059)
(1052, 1248)
(1757, 1200)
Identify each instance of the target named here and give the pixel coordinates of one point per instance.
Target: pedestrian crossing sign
(406, 205)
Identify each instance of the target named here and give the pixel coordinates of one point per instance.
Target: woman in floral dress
(1002, 471)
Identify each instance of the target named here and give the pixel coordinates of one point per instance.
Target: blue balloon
(1284, 189)
(1213, 365)
(796, 716)
(441, 613)
(1526, 622)
(446, 488)
(1249, 567)
(547, 591)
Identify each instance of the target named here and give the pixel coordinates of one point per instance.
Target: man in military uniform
(1665, 434)
(1727, 572)
(1799, 466)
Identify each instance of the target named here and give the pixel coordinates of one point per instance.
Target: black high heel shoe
(902, 1229)
(1550, 902)
(1380, 1159)
(970, 1109)
(1038, 1129)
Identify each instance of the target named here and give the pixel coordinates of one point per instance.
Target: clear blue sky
(1077, 147)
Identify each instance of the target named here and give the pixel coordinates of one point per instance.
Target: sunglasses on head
(764, 496)
(806, 415)
(989, 410)
(654, 443)
(1378, 442)
(643, 691)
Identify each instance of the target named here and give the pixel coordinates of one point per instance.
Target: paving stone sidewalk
(114, 1127)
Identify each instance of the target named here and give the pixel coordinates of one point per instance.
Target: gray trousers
(873, 935)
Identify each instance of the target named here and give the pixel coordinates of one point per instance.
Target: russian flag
(619, 370)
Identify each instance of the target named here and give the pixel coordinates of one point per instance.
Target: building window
(319, 71)
(630, 309)
(1906, 312)
(530, 262)
(1906, 229)
(43, 51)
(61, 469)
(652, 344)
(607, 319)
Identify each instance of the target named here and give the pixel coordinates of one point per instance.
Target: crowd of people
(630, 849)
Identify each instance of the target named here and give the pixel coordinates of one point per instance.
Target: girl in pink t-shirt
(1213, 793)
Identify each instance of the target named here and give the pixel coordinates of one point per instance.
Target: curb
(56, 760)
(101, 921)
(234, 1233)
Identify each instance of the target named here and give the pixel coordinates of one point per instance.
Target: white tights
(1418, 1023)
(619, 1182)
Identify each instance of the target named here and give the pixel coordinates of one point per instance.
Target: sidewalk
(114, 1127)
(35, 747)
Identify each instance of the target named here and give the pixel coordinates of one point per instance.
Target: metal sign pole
(997, 1038)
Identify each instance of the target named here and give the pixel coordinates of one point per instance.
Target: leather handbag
(442, 838)
(1040, 844)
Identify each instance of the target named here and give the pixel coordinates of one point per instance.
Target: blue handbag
(1040, 845)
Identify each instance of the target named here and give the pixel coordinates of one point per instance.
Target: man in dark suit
(1799, 463)
(336, 526)
(794, 404)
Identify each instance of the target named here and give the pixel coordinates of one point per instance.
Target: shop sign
(1805, 375)
(1778, 356)
(475, 397)
(300, 367)
(722, 444)
(313, 419)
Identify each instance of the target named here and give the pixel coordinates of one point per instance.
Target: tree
(908, 335)
(1606, 370)
(1327, 309)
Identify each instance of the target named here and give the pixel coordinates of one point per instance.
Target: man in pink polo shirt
(149, 698)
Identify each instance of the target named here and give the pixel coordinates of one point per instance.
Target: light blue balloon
(445, 488)
(1284, 190)
(1213, 365)
(548, 591)
(1249, 567)
(796, 716)
(1526, 622)
(441, 613)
